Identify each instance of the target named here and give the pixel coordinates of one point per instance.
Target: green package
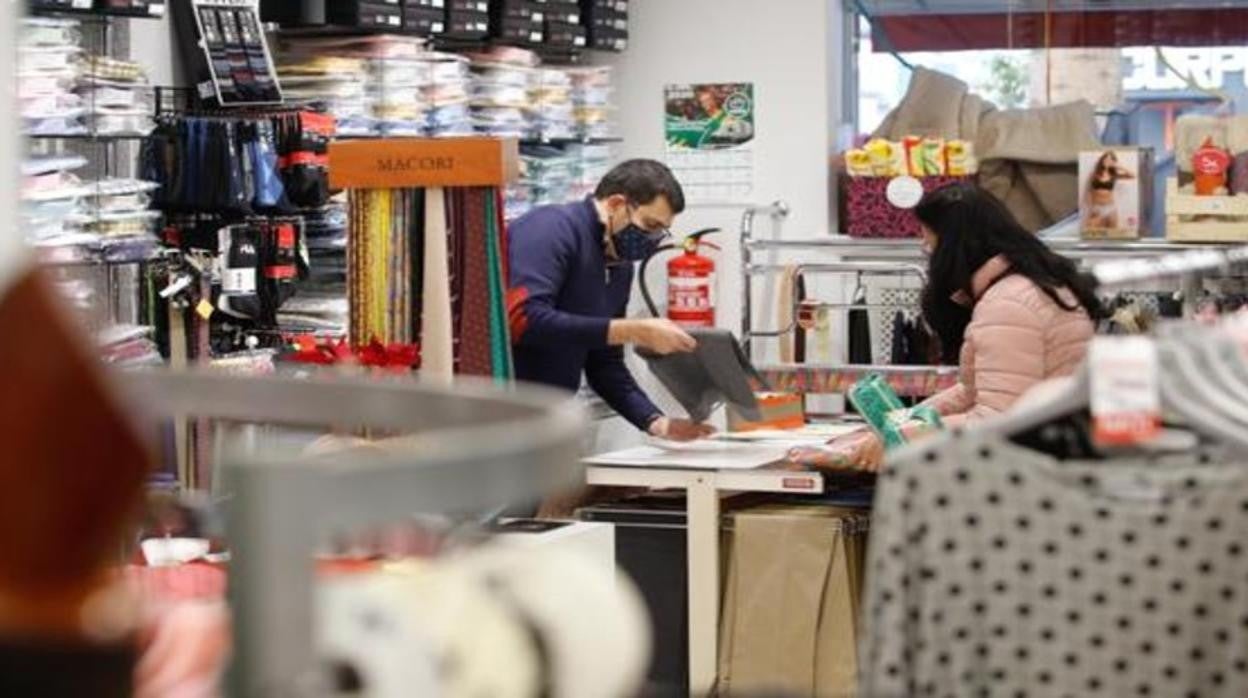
(884, 411)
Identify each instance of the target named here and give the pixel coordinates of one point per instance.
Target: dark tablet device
(715, 373)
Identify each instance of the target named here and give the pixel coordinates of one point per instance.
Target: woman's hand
(865, 451)
(861, 450)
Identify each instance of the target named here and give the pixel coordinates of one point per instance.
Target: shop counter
(706, 474)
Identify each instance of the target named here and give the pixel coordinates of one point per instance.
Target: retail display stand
(1192, 218)
(427, 248)
(478, 447)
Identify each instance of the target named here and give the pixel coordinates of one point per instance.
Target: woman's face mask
(928, 242)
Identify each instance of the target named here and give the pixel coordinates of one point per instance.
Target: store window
(1163, 82)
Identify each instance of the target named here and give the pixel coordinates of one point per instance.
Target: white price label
(1125, 392)
(238, 280)
(904, 192)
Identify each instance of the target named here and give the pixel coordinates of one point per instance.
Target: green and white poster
(709, 131)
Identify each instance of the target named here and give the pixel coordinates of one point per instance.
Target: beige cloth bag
(791, 602)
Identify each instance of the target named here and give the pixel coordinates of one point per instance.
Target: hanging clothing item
(500, 332)
(437, 341)
(997, 570)
(785, 294)
(901, 340)
(475, 349)
(860, 353)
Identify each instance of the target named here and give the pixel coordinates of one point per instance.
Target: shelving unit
(115, 283)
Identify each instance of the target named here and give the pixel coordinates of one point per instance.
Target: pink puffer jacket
(1017, 338)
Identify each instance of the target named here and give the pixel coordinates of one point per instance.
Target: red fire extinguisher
(690, 283)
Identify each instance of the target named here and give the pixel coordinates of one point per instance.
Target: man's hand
(679, 429)
(657, 335)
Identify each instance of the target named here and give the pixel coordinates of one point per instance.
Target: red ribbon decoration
(392, 358)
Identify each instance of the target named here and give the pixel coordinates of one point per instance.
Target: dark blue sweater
(562, 298)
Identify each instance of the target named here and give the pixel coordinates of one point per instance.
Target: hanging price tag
(1125, 392)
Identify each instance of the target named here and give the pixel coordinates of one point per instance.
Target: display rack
(477, 448)
(105, 33)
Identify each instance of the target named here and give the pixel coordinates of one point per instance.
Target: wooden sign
(400, 163)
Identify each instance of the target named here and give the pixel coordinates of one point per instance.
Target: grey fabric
(997, 570)
(716, 372)
(1028, 157)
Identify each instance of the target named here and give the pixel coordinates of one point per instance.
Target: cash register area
(262, 434)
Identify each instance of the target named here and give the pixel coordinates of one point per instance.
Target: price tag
(1125, 393)
(205, 309)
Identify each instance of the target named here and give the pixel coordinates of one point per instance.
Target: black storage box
(650, 545)
(605, 39)
(516, 11)
(518, 32)
(564, 12)
(379, 14)
(589, 6)
(294, 13)
(467, 25)
(424, 21)
(58, 5)
(481, 6)
(131, 8)
(565, 35)
(607, 19)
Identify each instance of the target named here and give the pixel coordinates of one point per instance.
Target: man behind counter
(571, 272)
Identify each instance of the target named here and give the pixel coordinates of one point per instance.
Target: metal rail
(469, 447)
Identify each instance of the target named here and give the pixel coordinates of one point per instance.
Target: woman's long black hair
(972, 227)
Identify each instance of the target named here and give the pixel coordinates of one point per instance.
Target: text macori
(415, 164)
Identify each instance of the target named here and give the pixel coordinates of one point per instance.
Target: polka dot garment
(997, 571)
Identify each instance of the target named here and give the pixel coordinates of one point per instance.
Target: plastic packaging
(885, 413)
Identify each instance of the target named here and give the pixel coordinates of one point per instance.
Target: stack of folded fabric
(117, 97)
(373, 85)
(118, 214)
(52, 206)
(397, 91)
(447, 96)
(551, 104)
(590, 163)
(48, 70)
(338, 84)
(501, 93)
(128, 345)
(71, 220)
(591, 101)
(546, 174)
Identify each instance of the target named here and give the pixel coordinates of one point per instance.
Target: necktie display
(427, 265)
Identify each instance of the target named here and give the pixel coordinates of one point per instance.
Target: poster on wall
(709, 130)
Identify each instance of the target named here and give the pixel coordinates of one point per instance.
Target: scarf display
(427, 266)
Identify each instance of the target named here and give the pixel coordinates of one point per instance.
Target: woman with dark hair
(1008, 309)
